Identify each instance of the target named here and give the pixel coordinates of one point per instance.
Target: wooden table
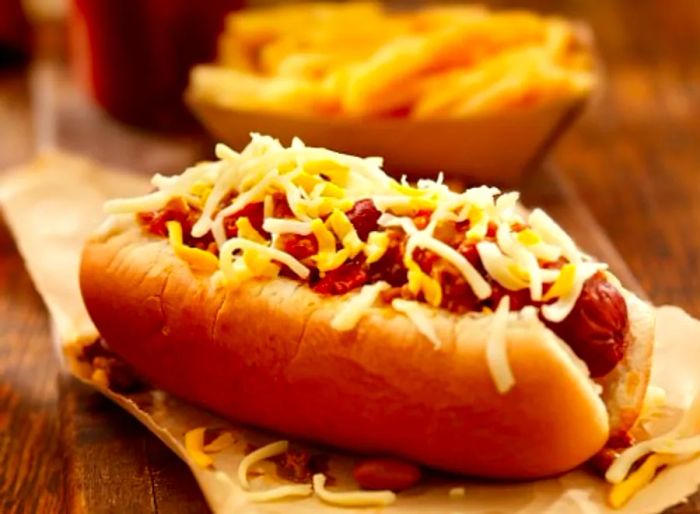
(630, 166)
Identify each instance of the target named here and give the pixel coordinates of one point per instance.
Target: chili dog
(307, 292)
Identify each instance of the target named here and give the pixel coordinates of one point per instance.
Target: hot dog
(307, 292)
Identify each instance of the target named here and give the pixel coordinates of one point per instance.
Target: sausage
(596, 327)
(384, 473)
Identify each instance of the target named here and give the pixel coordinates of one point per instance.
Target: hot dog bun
(265, 354)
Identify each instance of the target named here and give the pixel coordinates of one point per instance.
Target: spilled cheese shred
(357, 306)
(351, 498)
(265, 452)
(622, 492)
(100, 377)
(680, 443)
(280, 492)
(194, 444)
(497, 348)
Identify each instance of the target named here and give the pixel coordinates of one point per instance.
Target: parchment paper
(52, 203)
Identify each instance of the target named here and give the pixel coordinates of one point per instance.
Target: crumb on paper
(457, 492)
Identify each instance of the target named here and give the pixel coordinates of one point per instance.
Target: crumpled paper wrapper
(54, 202)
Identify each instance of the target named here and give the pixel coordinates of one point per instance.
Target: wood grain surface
(624, 181)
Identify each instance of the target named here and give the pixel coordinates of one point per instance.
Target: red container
(14, 33)
(134, 56)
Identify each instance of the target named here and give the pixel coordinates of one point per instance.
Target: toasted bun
(265, 354)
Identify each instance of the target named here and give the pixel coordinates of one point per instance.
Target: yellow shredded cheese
(621, 493)
(376, 247)
(247, 231)
(194, 444)
(339, 223)
(99, 377)
(563, 284)
(265, 452)
(196, 258)
(528, 237)
(420, 282)
(559, 310)
(351, 498)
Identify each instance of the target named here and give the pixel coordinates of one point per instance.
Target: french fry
(360, 59)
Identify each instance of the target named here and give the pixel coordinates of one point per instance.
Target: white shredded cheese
(280, 492)
(389, 220)
(559, 310)
(479, 285)
(150, 202)
(500, 266)
(497, 348)
(286, 226)
(265, 452)
(351, 498)
(356, 307)
(552, 233)
(416, 313)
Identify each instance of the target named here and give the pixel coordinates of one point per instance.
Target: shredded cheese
(351, 498)
(247, 231)
(551, 232)
(280, 492)
(500, 266)
(194, 444)
(376, 247)
(344, 229)
(226, 260)
(320, 186)
(416, 313)
(479, 285)
(621, 492)
(265, 452)
(285, 226)
(356, 307)
(559, 310)
(497, 348)
(196, 258)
